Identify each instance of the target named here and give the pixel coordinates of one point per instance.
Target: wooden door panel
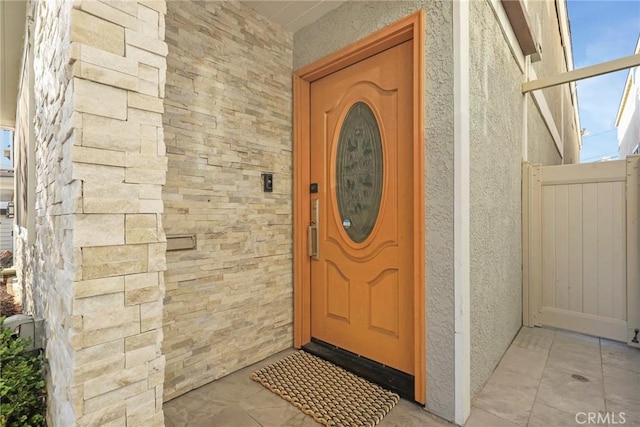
(383, 306)
(362, 283)
(338, 293)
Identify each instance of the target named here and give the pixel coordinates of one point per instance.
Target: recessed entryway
(359, 223)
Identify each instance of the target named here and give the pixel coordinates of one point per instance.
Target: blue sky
(601, 30)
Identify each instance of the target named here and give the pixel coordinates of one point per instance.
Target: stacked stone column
(96, 269)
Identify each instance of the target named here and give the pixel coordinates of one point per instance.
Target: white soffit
(293, 15)
(12, 24)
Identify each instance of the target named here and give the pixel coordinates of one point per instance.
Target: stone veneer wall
(94, 272)
(228, 119)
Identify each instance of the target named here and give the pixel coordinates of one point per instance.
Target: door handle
(313, 232)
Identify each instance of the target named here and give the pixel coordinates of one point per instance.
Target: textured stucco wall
(351, 22)
(496, 120)
(543, 16)
(227, 120)
(541, 148)
(496, 149)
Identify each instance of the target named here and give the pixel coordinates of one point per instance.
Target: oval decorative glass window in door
(359, 169)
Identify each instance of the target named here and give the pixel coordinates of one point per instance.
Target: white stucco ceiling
(12, 24)
(293, 15)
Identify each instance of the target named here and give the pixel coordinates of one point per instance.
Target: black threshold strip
(386, 377)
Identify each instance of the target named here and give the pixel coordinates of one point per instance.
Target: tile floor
(532, 386)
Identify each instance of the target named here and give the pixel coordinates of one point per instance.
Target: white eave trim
(625, 96)
(627, 88)
(12, 31)
(507, 31)
(461, 221)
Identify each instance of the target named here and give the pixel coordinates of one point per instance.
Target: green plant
(22, 385)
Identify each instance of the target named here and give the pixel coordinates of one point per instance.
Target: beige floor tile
(575, 363)
(408, 414)
(230, 417)
(189, 409)
(274, 417)
(272, 359)
(225, 393)
(406, 420)
(560, 390)
(618, 411)
(575, 354)
(263, 399)
(228, 390)
(480, 418)
(243, 376)
(204, 404)
(523, 361)
(537, 339)
(301, 420)
(168, 422)
(574, 338)
(508, 395)
(620, 354)
(621, 385)
(546, 416)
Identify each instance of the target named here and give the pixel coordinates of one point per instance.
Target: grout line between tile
(535, 399)
(253, 418)
(604, 390)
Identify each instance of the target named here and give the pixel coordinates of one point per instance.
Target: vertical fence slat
(619, 283)
(633, 249)
(575, 247)
(535, 253)
(589, 249)
(526, 206)
(605, 249)
(561, 284)
(548, 247)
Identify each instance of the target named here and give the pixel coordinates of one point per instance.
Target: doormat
(331, 395)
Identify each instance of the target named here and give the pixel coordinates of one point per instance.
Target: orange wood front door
(362, 279)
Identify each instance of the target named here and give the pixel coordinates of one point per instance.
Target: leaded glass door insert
(359, 172)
